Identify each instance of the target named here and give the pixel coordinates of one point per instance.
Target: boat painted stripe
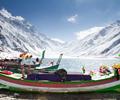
(65, 89)
(56, 85)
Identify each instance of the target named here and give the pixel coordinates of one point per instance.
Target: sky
(62, 19)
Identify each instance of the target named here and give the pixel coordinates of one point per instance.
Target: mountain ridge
(105, 42)
(16, 34)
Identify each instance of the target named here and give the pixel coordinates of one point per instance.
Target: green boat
(51, 82)
(47, 68)
(17, 63)
(50, 68)
(105, 85)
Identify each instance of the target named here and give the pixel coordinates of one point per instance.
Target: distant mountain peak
(116, 23)
(97, 42)
(7, 14)
(18, 35)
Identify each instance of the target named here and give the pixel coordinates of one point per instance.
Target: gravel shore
(7, 95)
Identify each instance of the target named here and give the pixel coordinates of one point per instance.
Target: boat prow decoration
(52, 67)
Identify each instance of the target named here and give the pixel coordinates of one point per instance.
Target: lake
(75, 64)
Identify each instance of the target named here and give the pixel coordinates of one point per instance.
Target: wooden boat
(105, 85)
(61, 82)
(50, 68)
(14, 64)
(6, 72)
(17, 65)
(47, 68)
(118, 56)
(52, 82)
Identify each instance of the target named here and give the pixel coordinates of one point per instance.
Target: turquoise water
(75, 65)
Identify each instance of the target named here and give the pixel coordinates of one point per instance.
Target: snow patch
(82, 34)
(58, 40)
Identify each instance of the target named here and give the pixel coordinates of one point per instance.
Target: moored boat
(118, 56)
(111, 84)
(51, 67)
(16, 64)
(53, 82)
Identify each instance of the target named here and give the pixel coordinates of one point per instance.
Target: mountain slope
(16, 34)
(103, 42)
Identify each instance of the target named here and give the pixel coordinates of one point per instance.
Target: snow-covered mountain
(101, 42)
(18, 35)
(82, 34)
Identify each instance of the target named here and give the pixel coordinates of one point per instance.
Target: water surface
(76, 64)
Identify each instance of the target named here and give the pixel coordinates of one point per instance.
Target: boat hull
(19, 66)
(48, 68)
(61, 87)
(57, 78)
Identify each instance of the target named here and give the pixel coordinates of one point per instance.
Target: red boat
(6, 72)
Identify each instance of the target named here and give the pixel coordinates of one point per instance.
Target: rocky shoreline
(8, 95)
